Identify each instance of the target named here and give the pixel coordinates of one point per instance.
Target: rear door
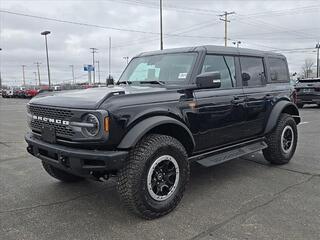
(254, 86)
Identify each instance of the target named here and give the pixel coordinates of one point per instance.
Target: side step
(224, 155)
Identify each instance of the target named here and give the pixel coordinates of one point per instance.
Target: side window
(278, 70)
(252, 71)
(223, 64)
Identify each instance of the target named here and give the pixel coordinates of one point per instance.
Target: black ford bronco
(205, 104)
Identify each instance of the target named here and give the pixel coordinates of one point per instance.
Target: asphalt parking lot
(242, 199)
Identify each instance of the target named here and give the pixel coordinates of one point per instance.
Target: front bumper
(82, 162)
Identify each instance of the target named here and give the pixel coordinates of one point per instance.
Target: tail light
(317, 89)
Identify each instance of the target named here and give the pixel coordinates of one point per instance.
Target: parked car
(30, 93)
(7, 93)
(308, 91)
(19, 92)
(205, 104)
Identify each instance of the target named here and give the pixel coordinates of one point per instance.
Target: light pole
(38, 68)
(45, 33)
(0, 73)
(318, 60)
(35, 77)
(98, 62)
(94, 50)
(72, 68)
(23, 75)
(161, 32)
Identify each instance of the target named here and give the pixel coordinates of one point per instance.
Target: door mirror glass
(209, 80)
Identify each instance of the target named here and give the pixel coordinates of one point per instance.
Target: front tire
(153, 180)
(60, 174)
(282, 141)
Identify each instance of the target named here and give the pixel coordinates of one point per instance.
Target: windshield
(162, 68)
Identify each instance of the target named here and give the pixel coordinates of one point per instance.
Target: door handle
(237, 99)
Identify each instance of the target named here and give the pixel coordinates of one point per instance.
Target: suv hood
(87, 98)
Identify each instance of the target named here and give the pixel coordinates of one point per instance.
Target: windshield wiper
(153, 82)
(124, 82)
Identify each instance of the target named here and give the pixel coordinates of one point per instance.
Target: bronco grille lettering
(51, 120)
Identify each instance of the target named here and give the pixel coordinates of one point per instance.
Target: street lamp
(45, 33)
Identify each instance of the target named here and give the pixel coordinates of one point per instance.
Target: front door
(219, 114)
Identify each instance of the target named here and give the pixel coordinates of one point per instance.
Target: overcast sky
(290, 27)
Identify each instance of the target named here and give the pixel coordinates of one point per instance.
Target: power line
(76, 23)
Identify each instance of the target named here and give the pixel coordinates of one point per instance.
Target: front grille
(61, 114)
(60, 130)
(51, 112)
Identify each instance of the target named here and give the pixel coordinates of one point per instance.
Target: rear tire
(60, 174)
(282, 141)
(152, 182)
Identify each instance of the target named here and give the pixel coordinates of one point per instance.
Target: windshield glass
(162, 68)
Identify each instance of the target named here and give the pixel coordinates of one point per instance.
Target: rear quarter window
(278, 70)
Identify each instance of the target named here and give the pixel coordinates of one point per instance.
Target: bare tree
(307, 68)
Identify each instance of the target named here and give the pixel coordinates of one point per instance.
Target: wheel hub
(163, 178)
(287, 138)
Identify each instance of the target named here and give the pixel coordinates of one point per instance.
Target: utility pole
(98, 62)
(109, 57)
(23, 75)
(0, 72)
(73, 79)
(93, 51)
(226, 21)
(161, 32)
(38, 67)
(318, 60)
(127, 59)
(35, 77)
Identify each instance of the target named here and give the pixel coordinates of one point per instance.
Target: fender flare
(140, 129)
(277, 110)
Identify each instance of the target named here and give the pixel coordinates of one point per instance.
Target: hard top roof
(217, 50)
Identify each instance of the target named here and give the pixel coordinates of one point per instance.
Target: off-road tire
(60, 174)
(275, 153)
(300, 105)
(132, 179)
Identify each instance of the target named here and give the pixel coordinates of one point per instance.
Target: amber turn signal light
(106, 124)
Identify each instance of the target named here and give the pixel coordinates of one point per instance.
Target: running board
(231, 153)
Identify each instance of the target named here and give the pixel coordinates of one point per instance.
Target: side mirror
(110, 81)
(209, 80)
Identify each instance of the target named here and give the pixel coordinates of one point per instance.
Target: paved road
(242, 199)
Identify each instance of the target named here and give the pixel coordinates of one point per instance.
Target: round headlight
(94, 130)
